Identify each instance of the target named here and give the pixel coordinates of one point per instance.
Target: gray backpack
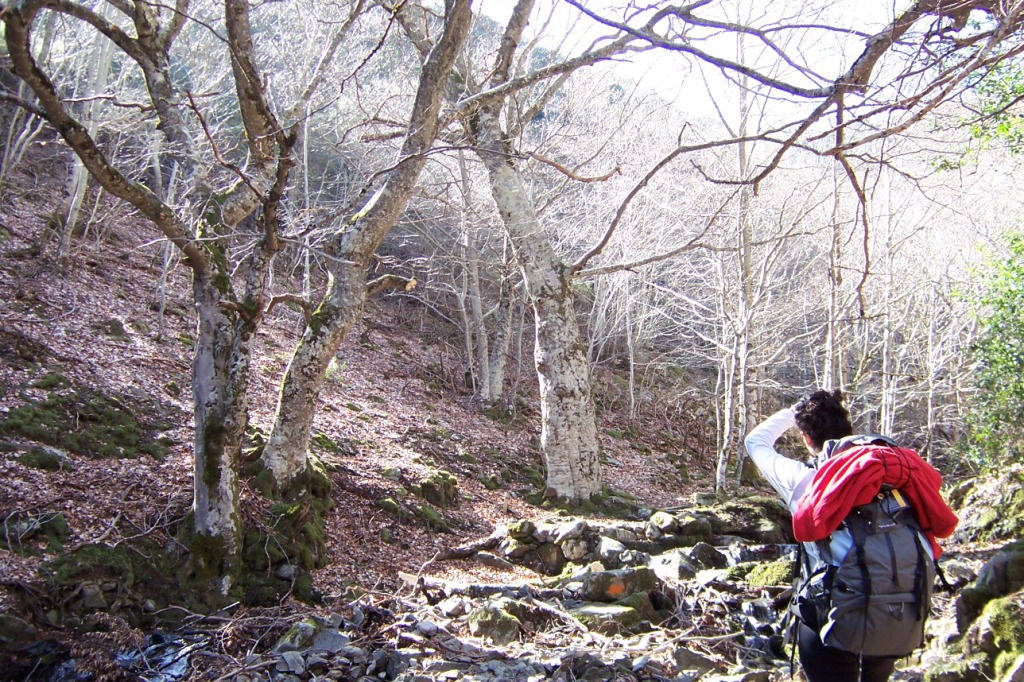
(874, 601)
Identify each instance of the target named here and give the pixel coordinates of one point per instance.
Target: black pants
(824, 664)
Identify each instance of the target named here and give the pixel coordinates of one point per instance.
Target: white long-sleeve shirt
(788, 476)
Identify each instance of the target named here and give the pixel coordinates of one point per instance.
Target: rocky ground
(480, 583)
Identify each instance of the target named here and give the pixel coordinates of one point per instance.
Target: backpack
(874, 600)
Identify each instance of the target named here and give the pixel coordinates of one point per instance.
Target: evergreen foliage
(997, 420)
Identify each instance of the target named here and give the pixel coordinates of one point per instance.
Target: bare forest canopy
(745, 200)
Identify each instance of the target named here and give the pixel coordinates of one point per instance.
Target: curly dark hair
(822, 417)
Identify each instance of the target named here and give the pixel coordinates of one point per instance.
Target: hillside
(95, 433)
(90, 341)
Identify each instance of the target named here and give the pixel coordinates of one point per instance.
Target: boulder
(610, 586)
(608, 619)
(673, 566)
(493, 622)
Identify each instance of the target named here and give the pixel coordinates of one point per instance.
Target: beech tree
(226, 220)
(286, 452)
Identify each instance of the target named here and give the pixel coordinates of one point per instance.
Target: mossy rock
(20, 533)
(47, 460)
(439, 488)
(325, 442)
(970, 669)
(779, 572)
(494, 622)
(990, 508)
(1005, 621)
(105, 562)
(763, 520)
(112, 327)
(432, 518)
(608, 619)
(89, 423)
(52, 381)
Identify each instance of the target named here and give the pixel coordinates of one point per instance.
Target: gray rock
(492, 560)
(610, 552)
(672, 566)
(299, 637)
(285, 572)
(611, 586)
(685, 659)
(551, 557)
(514, 549)
(330, 640)
(664, 522)
(292, 662)
(545, 532)
(571, 530)
(452, 607)
(705, 556)
(623, 535)
(492, 622)
(92, 597)
(14, 629)
(427, 627)
(575, 549)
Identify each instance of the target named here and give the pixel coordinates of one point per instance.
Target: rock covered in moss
(492, 621)
(611, 586)
(608, 619)
(990, 508)
(439, 488)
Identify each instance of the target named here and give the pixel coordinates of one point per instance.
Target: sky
(674, 77)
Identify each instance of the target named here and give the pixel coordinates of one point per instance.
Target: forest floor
(113, 327)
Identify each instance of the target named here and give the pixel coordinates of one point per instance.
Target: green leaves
(997, 420)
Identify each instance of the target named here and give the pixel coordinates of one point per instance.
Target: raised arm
(787, 476)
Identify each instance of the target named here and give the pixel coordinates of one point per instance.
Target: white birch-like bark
(568, 420)
(285, 454)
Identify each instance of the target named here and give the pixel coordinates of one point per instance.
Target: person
(819, 418)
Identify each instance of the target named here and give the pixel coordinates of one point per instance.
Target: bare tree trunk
(498, 359)
(286, 452)
(477, 341)
(78, 180)
(568, 419)
(219, 382)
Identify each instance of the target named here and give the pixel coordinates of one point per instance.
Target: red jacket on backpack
(855, 476)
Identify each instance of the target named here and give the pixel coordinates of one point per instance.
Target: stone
(292, 662)
(93, 598)
(610, 552)
(705, 556)
(330, 640)
(298, 637)
(285, 572)
(552, 558)
(623, 535)
(664, 522)
(492, 560)
(427, 627)
(575, 549)
(521, 530)
(686, 659)
(611, 586)
(672, 566)
(571, 530)
(14, 629)
(511, 548)
(545, 532)
(452, 607)
(492, 622)
(608, 619)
